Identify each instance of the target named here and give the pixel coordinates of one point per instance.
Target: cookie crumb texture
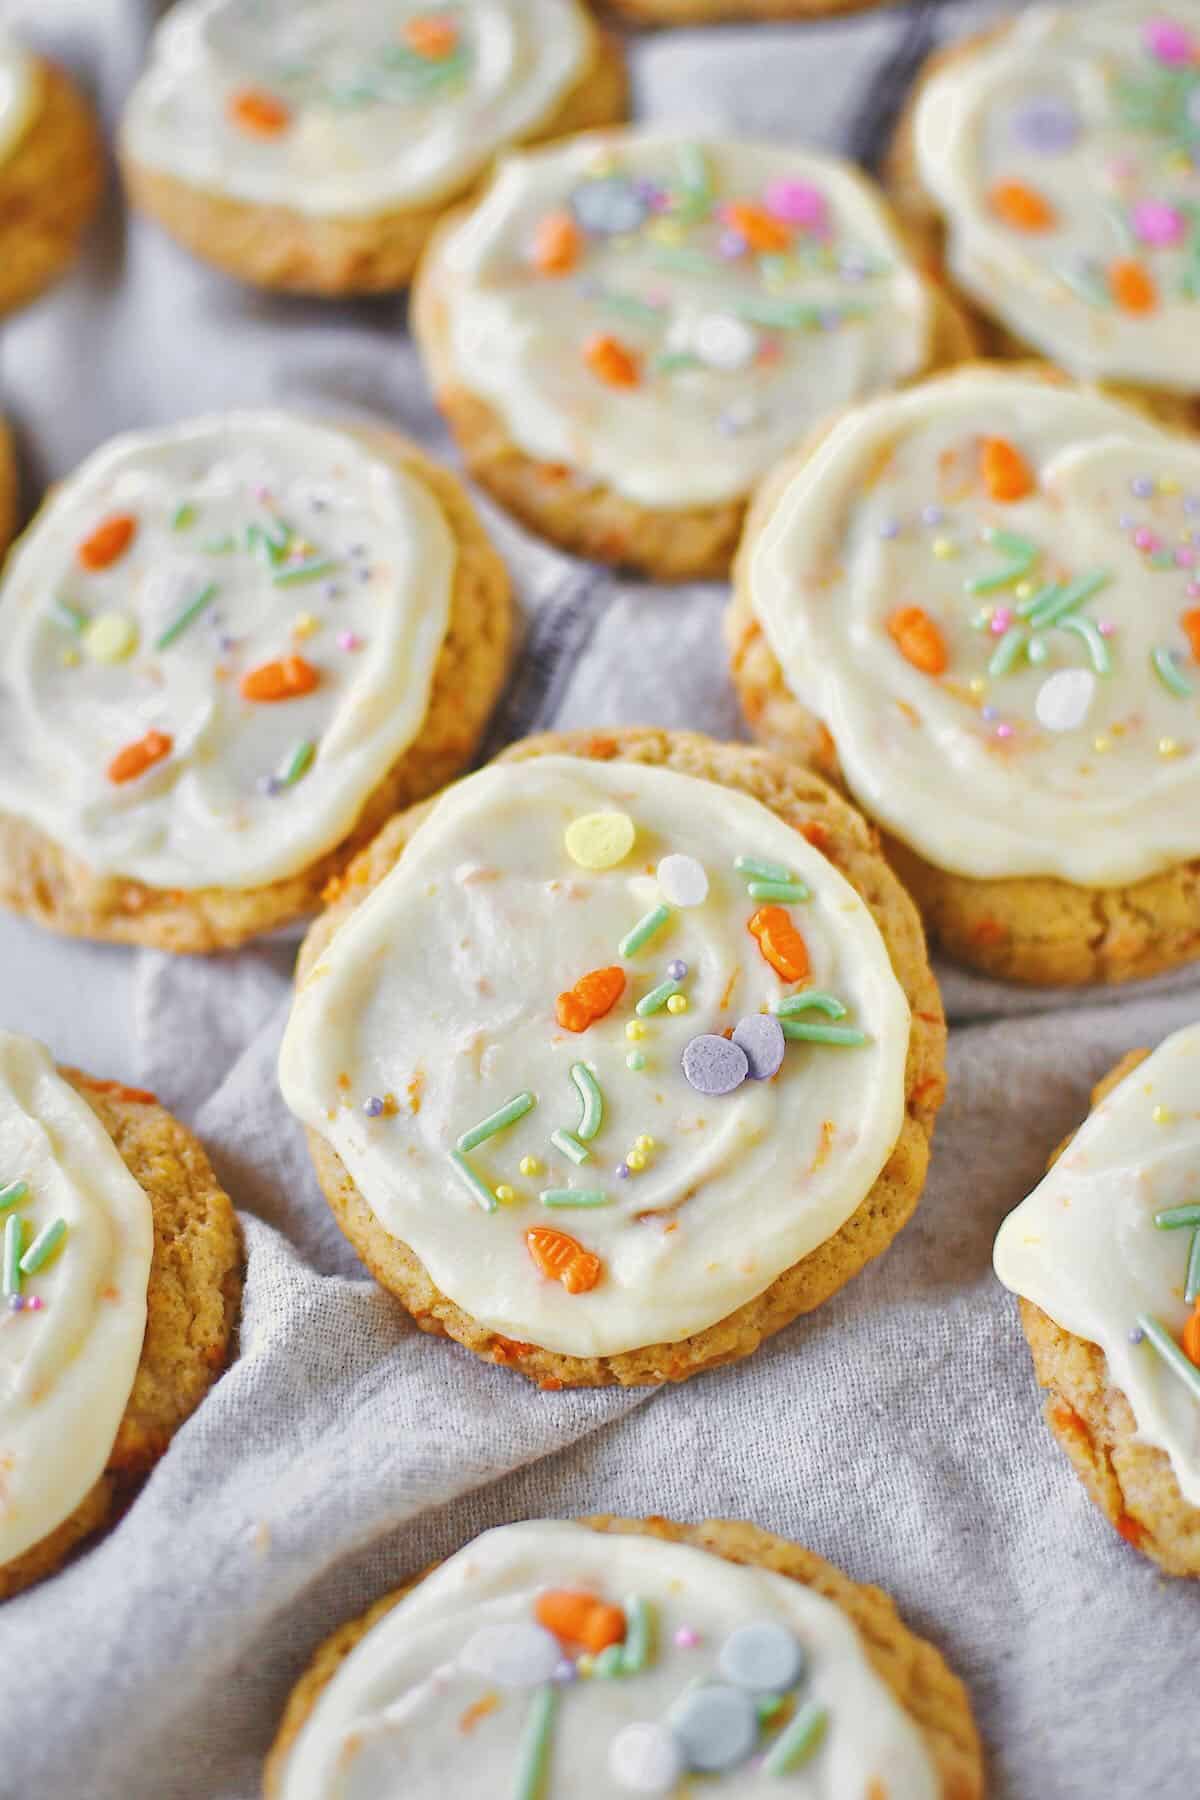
(914, 1672)
(805, 803)
(50, 188)
(192, 1303)
(713, 12)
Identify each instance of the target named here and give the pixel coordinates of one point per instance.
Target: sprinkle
(530, 1165)
(635, 1029)
(682, 880)
(677, 1003)
(72, 617)
(1168, 746)
(570, 1147)
(505, 1195)
(600, 840)
(761, 231)
(762, 1656)
(1046, 125)
(44, 1247)
(135, 759)
(258, 113)
(1166, 667)
(1021, 207)
(533, 1752)
(1133, 287)
(612, 362)
(797, 1741)
(780, 943)
(635, 1162)
(110, 638)
(1023, 552)
(10, 1263)
(110, 540)
(677, 970)
(308, 570)
(715, 1065)
(1161, 1339)
(715, 1725)
(623, 1171)
(608, 207)
(500, 1120)
(349, 640)
(762, 1043)
(593, 995)
(183, 516)
(685, 1638)
(561, 1258)
(1155, 222)
(647, 927)
(305, 625)
(591, 1102)
(932, 515)
(13, 1194)
(656, 999)
(638, 1649)
(373, 1106)
(645, 1144)
(1097, 649)
(297, 765)
(563, 1197)
(1045, 611)
(762, 871)
(557, 244)
(188, 616)
(805, 1032)
(1007, 650)
(643, 1758)
(797, 203)
(1006, 474)
(478, 1188)
(636, 1060)
(812, 1000)
(790, 893)
(1162, 1115)
(944, 548)
(918, 639)
(1137, 1335)
(1170, 42)
(1192, 1279)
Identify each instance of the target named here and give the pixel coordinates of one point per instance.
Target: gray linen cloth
(897, 1431)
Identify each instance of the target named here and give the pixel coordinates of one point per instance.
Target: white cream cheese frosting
(1091, 1248)
(349, 107)
(452, 1689)
(165, 593)
(20, 94)
(667, 315)
(71, 1329)
(442, 999)
(988, 588)
(1064, 154)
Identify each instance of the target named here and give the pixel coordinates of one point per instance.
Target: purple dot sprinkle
(677, 970)
(1127, 521)
(1136, 1335)
(622, 1171)
(760, 1037)
(15, 1303)
(1191, 503)
(988, 712)
(715, 1065)
(890, 528)
(564, 1672)
(1046, 125)
(1141, 487)
(932, 515)
(373, 1107)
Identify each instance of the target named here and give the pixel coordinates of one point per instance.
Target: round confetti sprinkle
(635, 1030)
(644, 1143)
(760, 1039)
(110, 638)
(373, 1107)
(349, 640)
(686, 1639)
(797, 202)
(1169, 42)
(723, 342)
(715, 1065)
(1064, 700)
(677, 970)
(1047, 125)
(636, 1060)
(1141, 487)
(645, 1759)
(1157, 223)
(530, 1165)
(764, 1657)
(716, 1727)
(600, 840)
(622, 1171)
(635, 1162)
(677, 1003)
(16, 1303)
(521, 1654)
(682, 881)
(609, 206)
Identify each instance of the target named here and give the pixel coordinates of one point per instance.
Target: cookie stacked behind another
(51, 172)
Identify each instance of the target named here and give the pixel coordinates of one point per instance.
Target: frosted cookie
(314, 145)
(1105, 1256)
(1054, 164)
(979, 604)
(628, 329)
(619, 1057)
(228, 651)
(120, 1276)
(710, 12)
(51, 172)
(543, 1660)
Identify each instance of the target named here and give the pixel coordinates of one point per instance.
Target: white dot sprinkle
(682, 880)
(645, 1759)
(1064, 700)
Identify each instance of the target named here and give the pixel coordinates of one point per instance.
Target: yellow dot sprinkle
(69, 659)
(644, 1144)
(1167, 484)
(1161, 1115)
(1101, 743)
(635, 1030)
(584, 1664)
(977, 684)
(110, 638)
(1024, 590)
(944, 547)
(305, 625)
(505, 1195)
(677, 1003)
(530, 1165)
(600, 840)
(666, 231)
(1168, 746)
(636, 1161)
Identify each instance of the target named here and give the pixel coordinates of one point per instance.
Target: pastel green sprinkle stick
(10, 1264)
(779, 315)
(801, 1031)
(559, 1197)
(789, 893)
(1007, 650)
(1068, 600)
(1158, 1335)
(220, 546)
(533, 1752)
(1167, 668)
(1042, 597)
(609, 1663)
(759, 870)
(1039, 648)
(638, 1649)
(188, 616)
(13, 1194)
(70, 615)
(298, 763)
(1097, 649)
(648, 926)
(656, 999)
(500, 1120)
(1024, 554)
(813, 1000)
(797, 1741)
(590, 1099)
(570, 1147)
(183, 516)
(44, 1247)
(310, 570)
(1192, 1280)
(1170, 1219)
(476, 1186)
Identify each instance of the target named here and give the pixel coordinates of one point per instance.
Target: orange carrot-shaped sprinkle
(432, 36)
(592, 996)
(580, 1619)
(1022, 207)
(780, 942)
(1006, 474)
(918, 639)
(1133, 287)
(111, 538)
(761, 230)
(1191, 1337)
(610, 360)
(136, 758)
(560, 1258)
(286, 679)
(256, 111)
(556, 244)
(1191, 625)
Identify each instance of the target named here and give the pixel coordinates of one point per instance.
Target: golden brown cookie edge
(50, 188)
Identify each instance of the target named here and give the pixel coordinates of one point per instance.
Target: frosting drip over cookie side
(217, 639)
(20, 94)
(609, 1049)
(989, 590)
(1064, 154)
(349, 107)
(668, 316)
(1109, 1246)
(76, 1236)
(546, 1659)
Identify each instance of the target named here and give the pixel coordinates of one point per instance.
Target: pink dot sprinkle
(1154, 222)
(34, 1303)
(1167, 40)
(686, 1638)
(1193, 590)
(1105, 627)
(797, 202)
(1004, 731)
(1145, 539)
(1185, 556)
(349, 640)
(1000, 621)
